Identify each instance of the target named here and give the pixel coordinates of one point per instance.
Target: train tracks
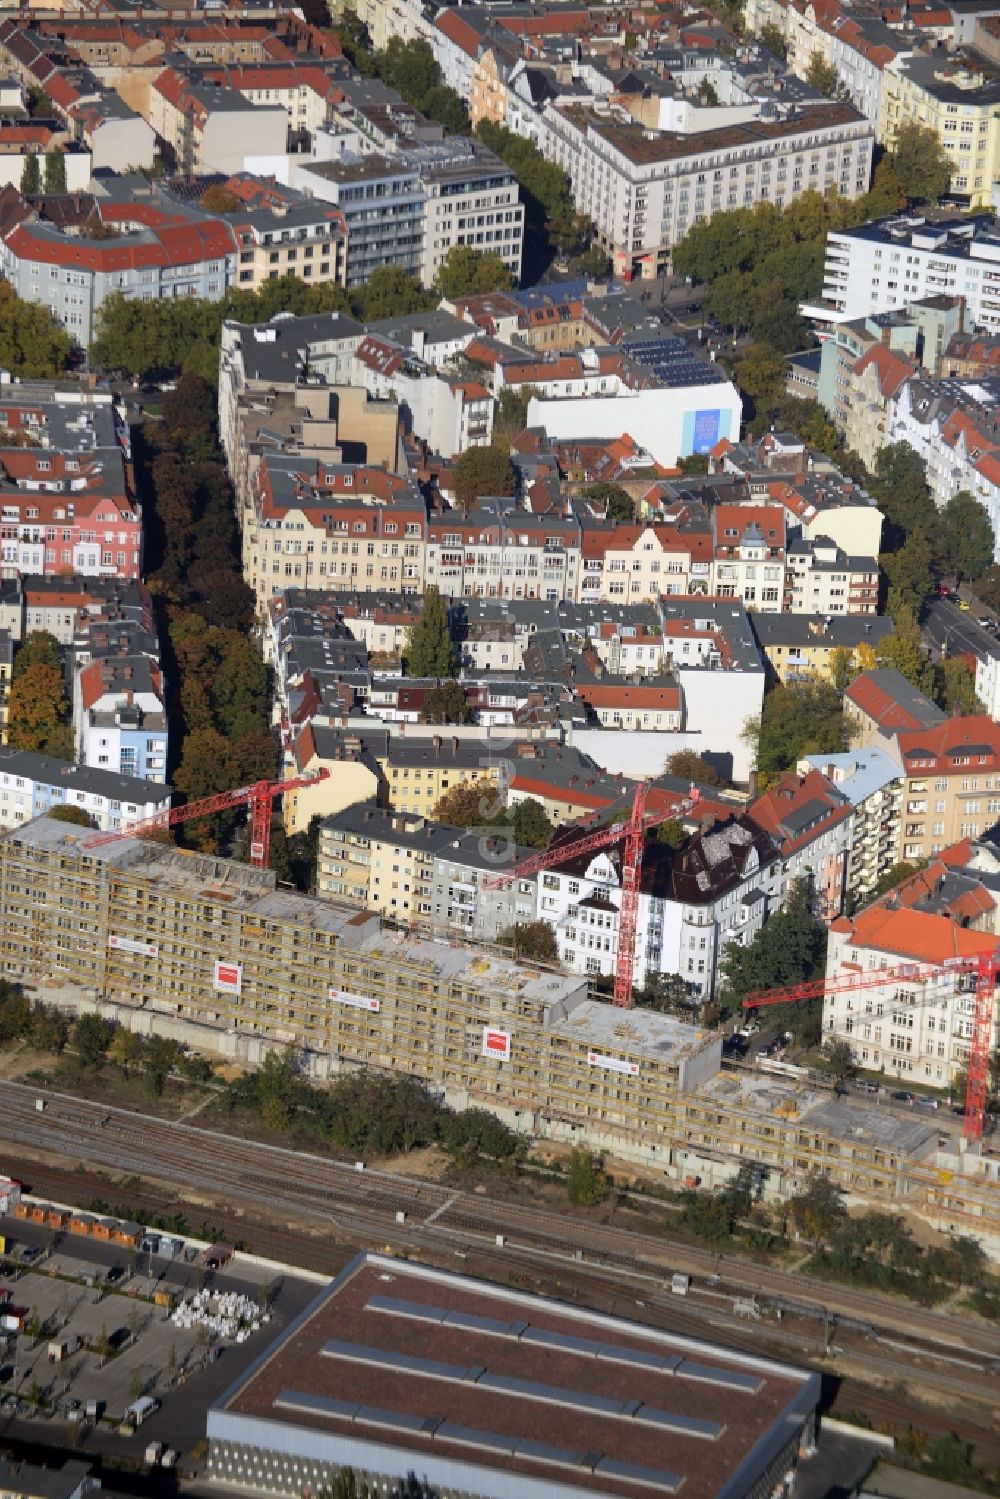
(331, 1195)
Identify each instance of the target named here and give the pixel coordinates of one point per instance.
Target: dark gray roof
(50, 772)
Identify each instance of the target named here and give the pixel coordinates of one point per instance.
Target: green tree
(619, 504)
(429, 651)
(908, 572)
(586, 1183)
(761, 374)
(890, 878)
(690, 766)
(126, 1049)
(887, 194)
(530, 825)
(31, 177)
(37, 711)
(904, 649)
(837, 1060)
(967, 536)
(392, 292)
(160, 1059)
(988, 587)
(921, 163)
(671, 832)
(91, 1039)
(465, 271)
(955, 687)
(75, 815)
(476, 1134)
(774, 41)
(805, 718)
(219, 199)
(472, 804)
(446, 704)
(511, 415)
(822, 75)
(38, 648)
(693, 464)
(898, 484)
(479, 473)
(789, 949)
(32, 343)
(531, 941)
(49, 1029)
(55, 171)
(818, 1210)
(15, 1013)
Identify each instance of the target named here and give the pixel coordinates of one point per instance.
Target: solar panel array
(671, 361)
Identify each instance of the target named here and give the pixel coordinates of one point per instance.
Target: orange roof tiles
(919, 936)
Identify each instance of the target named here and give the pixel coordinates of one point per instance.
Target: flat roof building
(398, 1369)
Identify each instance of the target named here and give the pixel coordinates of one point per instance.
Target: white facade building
(31, 784)
(644, 188)
(716, 889)
(892, 262)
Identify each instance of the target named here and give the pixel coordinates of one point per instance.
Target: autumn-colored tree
(37, 711)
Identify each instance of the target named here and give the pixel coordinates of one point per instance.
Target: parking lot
(128, 1345)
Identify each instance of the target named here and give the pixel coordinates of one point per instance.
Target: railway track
(625, 1294)
(333, 1196)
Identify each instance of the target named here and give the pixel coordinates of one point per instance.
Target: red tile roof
(918, 936)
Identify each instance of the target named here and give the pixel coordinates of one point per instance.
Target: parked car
(926, 1102)
(901, 1096)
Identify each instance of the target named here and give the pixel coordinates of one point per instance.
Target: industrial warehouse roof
(474, 1386)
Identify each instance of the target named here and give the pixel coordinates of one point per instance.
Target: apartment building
(955, 95)
(644, 189)
(7, 645)
(811, 822)
(910, 1029)
(822, 579)
(891, 262)
(68, 512)
(211, 128)
(881, 704)
(333, 525)
(153, 245)
(210, 953)
(749, 555)
(59, 604)
(871, 780)
(951, 785)
(502, 552)
(803, 646)
(410, 206)
(120, 717)
(953, 426)
(382, 200)
(31, 784)
(381, 859)
(716, 888)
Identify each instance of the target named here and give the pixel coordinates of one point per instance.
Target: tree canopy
(429, 651)
(32, 343)
(446, 704)
(789, 949)
(471, 804)
(55, 171)
(805, 718)
(822, 75)
(75, 815)
(688, 764)
(533, 941)
(551, 220)
(921, 163)
(465, 271)
(967, 536)
(38, 648)
(38, 712)
(479, 473)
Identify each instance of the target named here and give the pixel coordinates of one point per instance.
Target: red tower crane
(634, 833)
(260, 796)
(983, 968)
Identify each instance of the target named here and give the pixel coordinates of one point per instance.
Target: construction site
(211, 953)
